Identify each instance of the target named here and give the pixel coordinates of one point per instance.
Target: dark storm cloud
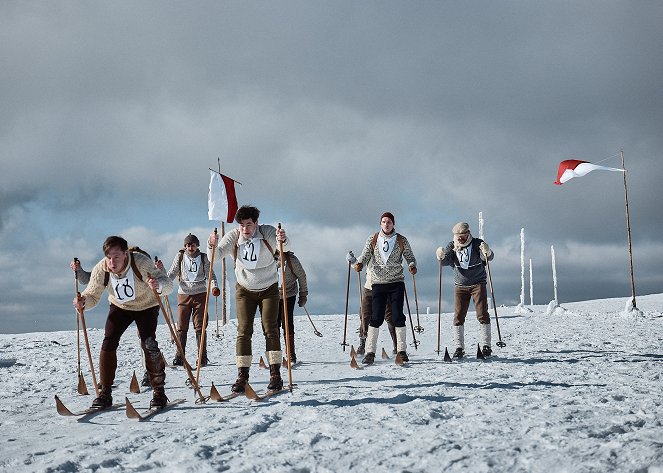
(333, 112)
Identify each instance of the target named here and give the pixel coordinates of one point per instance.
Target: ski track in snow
(579, 391)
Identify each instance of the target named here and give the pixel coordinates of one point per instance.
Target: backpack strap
(179, 265)
(289, 261)
(374, 242)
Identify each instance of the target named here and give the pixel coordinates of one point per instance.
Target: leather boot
(155, 366)
(275, 381)
(394, 339)
(159, 399)
(362, 346)
(291, 348)
(107, 367)
(178, 361)
(242, 380)
(203, 360)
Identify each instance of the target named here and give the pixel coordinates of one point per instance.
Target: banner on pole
(222, 201)
(574, 168)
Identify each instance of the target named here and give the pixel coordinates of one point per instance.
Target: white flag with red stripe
(574, 168)
(222, 201)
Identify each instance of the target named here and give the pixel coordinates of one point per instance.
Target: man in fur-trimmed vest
(385, 251)
(252, 247)
(191, 267)
(467, 257)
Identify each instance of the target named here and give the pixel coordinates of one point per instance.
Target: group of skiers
(135, 284)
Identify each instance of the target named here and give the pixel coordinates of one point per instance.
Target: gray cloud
(329, 114)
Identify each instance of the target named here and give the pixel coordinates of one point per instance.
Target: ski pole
(500, 343)
(202, 399)
(87, 348)
(414, 338)
(362, 329)
(439, 307)
(418, 328)
(204, 327)
(81, 388)
(347, 297)
(315, 330)
(285, 313)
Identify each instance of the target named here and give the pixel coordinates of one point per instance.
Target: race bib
(249, 253)
(463, 256)
(192, 265)
(124, 289)
(386, 246)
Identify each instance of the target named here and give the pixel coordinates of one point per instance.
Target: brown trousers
(462, 296)
(247, 305)
(190, 305)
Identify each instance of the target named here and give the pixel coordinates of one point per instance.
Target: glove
(302, 300)
(485, 249)
(216, 292)
(440, 253)
(358, 267)
(413, 270)
(350, 258)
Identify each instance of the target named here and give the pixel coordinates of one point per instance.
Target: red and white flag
(574, 168)
(221, 202)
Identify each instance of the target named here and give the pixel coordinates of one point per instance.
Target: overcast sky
(331, 113)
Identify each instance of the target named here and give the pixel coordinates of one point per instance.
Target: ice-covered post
(522, 267)
(531, 284)
(481, 225)
(554, 271)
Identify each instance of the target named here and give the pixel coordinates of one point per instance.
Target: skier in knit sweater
(252, 247)
(131, 279)
(191, 268)
(367, 309)
(385, 251)
(295, 283)
(467, 256)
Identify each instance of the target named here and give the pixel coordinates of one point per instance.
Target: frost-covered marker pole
(554, 273)
(481, 225)
(531, 284)
(522, 267)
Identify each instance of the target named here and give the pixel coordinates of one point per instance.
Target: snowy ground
(580, 391)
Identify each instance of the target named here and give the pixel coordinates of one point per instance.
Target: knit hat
(191, 238)
(390, 216)
(460, 227)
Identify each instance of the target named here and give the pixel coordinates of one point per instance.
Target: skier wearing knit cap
(385, 251)
(191, 268)
(467, 256)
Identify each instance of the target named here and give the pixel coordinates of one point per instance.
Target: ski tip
(250, 392)
(131, 411)
(262, 364)
(353, 352)
(447, 358)
(384, 354)
(61, 408)
(82, 387)
(353, 363)
(214, 394)
(133, 385)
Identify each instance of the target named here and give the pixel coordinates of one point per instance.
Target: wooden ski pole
(418, 328)
(439, 307)
(204, 329)
(202, 399)
(285, 313)
(407, 302)
(81, 387)
(87, 348)
(362, 329)
(347, 298)
(500, 343)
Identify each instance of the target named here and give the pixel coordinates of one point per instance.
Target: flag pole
(223, 274)
(628, 231)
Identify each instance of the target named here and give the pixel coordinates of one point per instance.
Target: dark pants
(247, 304)
(119, 320)
(462, 296)
(290, 301)
(392, 294)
